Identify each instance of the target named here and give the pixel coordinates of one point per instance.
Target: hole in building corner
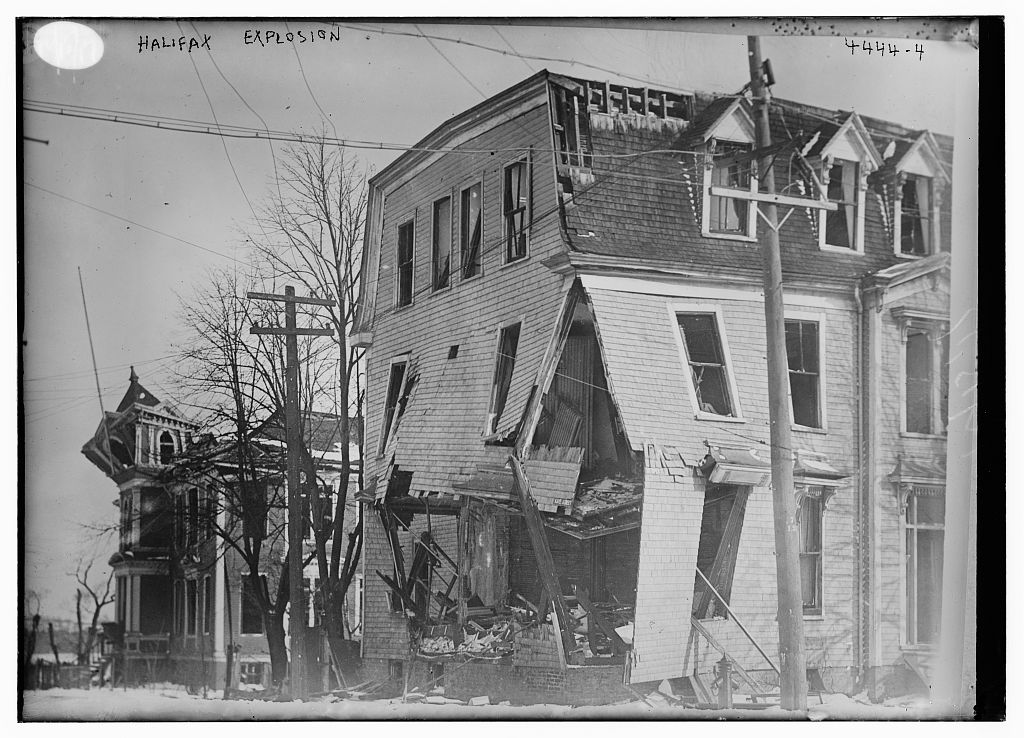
(453, 351)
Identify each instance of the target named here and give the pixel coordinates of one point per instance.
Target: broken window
(471, 230)
(572, 128)
(730, 214)
(128, 519)
(252, 620)
(927, 382)
(441, 252)
(504, 365)
(925, 519)
(396, 381)
(720, 527)
(811, 509)
(517, 209)
(915, 215)
(804, 372)
(841, 225)
(121, 452)
(403, 289)
(707, 362)
(166, 447)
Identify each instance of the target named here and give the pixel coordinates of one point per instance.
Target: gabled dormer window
(847, 156)
(919, 179)
(727, 136)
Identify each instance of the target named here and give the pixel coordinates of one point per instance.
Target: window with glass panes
(811, 509)
(707, 362)
(925, 533)
(804, 372)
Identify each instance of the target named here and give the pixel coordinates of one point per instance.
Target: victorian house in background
(184, 609)
(567, 455)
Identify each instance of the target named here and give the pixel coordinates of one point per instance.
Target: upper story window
(711, 383)
(504, 365)
(471, 230)
(926, 371)
(167, 447)
(726, 134)
(404, 274)
(517, 209)
(441, 246)
(731, 215)
(919, 182)
(847, 156)
(572, 128)
(803, 352)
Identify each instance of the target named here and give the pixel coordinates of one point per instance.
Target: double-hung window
(841, 226)
(916, 215)
(504, 366)
(811, 509)
(802, 350)
(709, 372)
(404, 276)
(471, 230)
(926, 371)
(925, 532)
(517, 207)
(441, 248)
(731, 215)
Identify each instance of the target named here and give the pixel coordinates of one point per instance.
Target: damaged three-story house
(567, 461)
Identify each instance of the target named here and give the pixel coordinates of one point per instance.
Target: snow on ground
(170, 703)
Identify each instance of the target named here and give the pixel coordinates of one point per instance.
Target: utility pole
(793, 676)
(293, 437)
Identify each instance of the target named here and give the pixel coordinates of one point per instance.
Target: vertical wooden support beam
(545, 562)
(664, 105)
(647, 101)
(625, 99)
(607, 97)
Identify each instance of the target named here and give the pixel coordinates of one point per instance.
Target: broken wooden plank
(542, 551)
(406, 601)
(618, 645)
(699, 627)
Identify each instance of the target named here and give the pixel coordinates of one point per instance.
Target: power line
(111, 367)
(134, 223)
(309, 89)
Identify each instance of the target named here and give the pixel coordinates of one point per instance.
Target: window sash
(841, 225)
(442, 243)
(517, 205)
(504, 367)
(730, 214)
(811, 554)
(471, 230)
(406, 256)
(803, 354)
(920, 377)
(396, 381)
(706, 360)
(915, 216)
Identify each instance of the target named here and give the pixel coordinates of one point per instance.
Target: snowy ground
(169, 703)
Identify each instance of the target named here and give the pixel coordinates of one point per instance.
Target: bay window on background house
(926, 369)
(804, 372)
(504, 365)
(924, 526)
(517, 209)
(441, 244)
(404, 273)
(471, 230)
(707, 361)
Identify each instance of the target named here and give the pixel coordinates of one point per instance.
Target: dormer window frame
(921, 162)
(850, 145)
(733, 128)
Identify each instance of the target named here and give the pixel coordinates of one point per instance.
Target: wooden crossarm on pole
(257, 331)
(775, 199)
(290, 298)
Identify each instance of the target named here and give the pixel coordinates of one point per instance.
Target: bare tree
(311, 231)
(236, 381)
(100, 598)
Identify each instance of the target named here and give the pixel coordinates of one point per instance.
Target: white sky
(372, 87)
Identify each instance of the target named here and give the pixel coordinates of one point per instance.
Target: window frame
(434, 288)
(208, 602)
(749, 234)
(387, 421)
(820, 319)
(938, 338)
(860, 195)
(674, 310)
(490, 420)
(527, 162)
(908, 503)
(411, 225)
(191, 606)
(244, 581)
(819, 496)
(463, 213)
(928, 216)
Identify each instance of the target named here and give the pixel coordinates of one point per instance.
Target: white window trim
(904, 636)
(858, 218)
(384, 426)
(674, 308)
(488, 432)
(451, 243)
(803, 488)
(483, 228)
(934, 198)
(820, 319)
(528, 160)
(397, 281)
(705, 217)
(934, 328)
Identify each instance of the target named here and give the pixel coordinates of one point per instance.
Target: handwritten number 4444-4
(883, 48)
